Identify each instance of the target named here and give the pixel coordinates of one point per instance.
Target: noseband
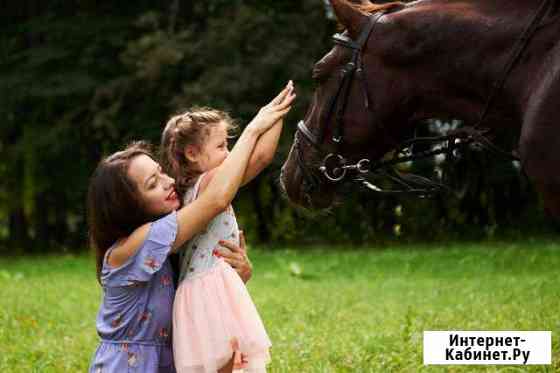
(334, 167)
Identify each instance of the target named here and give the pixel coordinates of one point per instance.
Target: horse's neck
(459, 51)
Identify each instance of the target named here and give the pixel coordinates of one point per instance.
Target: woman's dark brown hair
(114, 203)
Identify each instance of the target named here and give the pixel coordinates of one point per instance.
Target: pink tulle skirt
(213, 315)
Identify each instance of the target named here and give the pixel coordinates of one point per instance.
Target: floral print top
(134, 319)
(197, 258)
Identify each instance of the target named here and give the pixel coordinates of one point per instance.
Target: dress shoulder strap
(197, 185)
(192, 192)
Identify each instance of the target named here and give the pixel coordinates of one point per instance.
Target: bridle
(335, 168)
(355, 66)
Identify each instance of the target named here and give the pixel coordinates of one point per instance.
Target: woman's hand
(236, 256)
(273, 112)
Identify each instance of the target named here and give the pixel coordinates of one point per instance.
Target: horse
(494, 64)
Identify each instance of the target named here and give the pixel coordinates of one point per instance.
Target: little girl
(214, 317)
(135, 221)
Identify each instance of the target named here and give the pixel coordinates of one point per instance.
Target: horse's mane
(374, 8)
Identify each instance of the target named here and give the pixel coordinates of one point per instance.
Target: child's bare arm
(265, 149)
(259, 159)
(193, 217)
(218, 194)
(219, 185)
(267, 143)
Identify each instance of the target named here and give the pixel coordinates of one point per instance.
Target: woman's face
(214, 151)
(156, 188)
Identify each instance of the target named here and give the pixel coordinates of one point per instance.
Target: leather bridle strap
(308, 135)
(515, 55)
(355, 65)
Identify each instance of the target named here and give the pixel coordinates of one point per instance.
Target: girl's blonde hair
(189, 128)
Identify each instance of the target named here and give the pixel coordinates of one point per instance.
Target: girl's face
(156, 188)
(214, 151)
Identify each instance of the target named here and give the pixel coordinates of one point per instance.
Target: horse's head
(396, 65)
(348, 109)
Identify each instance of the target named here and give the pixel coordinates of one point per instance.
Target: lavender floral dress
(134, 319)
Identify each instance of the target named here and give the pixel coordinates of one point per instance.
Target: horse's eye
(316, 71)
(318, 77)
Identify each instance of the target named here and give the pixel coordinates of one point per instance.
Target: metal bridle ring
(363, 166)
(341, 169)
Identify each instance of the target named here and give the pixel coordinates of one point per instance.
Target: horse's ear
(349, 15)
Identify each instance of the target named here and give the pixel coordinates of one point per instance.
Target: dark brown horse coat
(441, 59)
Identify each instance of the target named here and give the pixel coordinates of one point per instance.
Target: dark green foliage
(81, 79)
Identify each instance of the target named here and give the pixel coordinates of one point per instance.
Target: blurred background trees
(80, 79)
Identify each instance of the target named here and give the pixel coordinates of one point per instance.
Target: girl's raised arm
(227, 177)
(220, 191)
(193, 217)
(265, 148)
(266, 145)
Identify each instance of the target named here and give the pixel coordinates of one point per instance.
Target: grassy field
(325, 310)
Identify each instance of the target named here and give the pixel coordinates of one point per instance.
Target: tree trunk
(41, 220)
(17, 221)
(262, 220)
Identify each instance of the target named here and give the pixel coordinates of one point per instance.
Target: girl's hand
(273, 112)
(237, 257)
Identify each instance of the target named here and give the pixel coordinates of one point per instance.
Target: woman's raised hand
(277, 109)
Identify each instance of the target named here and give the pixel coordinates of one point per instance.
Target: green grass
(347, 311)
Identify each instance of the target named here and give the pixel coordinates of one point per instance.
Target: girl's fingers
(287, 102)
(278, 99)
(291, 92)
(280, 114)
